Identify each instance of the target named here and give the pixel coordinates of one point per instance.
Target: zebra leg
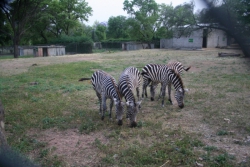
(160, 94)
(146, 82)
(138, 93)
(152, 92)
(169, 93)
(163, 94)
(104, 107)
(110, 106)
(144, 90)
(100, 102)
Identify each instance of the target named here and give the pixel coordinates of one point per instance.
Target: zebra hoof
(102, 117)
(119, 122)
(133, 124)
(152, 99)
(170, 102)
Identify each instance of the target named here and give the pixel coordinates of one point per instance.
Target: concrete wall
(57, 51)
(28, 51)
(192, 41)
(166, 43)
(217, 38)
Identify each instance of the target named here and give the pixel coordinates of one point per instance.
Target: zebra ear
(180, 90)
(115, 100)
(129, 103)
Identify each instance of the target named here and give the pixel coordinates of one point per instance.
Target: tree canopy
(42, 21)
(143, 22)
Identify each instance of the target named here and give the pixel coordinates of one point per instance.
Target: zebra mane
(129, 86)
(117, 91)
(178, 75)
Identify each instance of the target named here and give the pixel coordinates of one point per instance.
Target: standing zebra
(164, 75)
(106, 87)
(174, 65)
(129, 80)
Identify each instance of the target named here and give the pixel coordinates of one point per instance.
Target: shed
(53, 50)
(197, 40)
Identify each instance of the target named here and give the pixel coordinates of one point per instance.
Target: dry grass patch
(212, 129)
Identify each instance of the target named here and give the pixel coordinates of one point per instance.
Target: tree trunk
(149, 45)
(16, 43)
(44, 37)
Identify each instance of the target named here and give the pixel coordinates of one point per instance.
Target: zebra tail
(84, 79)
(187, 68)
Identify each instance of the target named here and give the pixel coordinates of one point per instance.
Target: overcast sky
(103, 9)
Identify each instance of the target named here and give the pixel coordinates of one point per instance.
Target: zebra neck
(176, 80)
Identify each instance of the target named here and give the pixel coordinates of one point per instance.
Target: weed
(222, 133)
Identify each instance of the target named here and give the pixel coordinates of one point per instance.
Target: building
(41, 51)
(200, 38)
(53, 50)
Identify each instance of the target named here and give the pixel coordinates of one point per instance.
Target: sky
(103, 9)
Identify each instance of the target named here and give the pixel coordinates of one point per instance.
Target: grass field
(54, 120)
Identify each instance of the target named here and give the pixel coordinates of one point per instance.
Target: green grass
(12, 57)
(219, 90)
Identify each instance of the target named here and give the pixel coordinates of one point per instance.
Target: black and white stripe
(162, 74)
(130, 80)
(174, 65)
(106, 88)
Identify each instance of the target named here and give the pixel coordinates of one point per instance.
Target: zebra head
(119, 107)
(133, 109)
(179, 96)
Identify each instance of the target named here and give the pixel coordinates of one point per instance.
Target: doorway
(204, 41)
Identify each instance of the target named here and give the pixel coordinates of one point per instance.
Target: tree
(143, 22)
(19, 14)
(117, 27)
(65, 15)
(99, 31)
(180, 17)
(236, 24)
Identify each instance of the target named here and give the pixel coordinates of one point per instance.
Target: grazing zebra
(129, 80)
(174, 65)
(164, 75)
(106, 87)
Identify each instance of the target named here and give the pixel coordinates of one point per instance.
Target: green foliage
(100, 32)
(70, 39)
(179, 16)
(88, 126)
(144, 19)
(117, 27)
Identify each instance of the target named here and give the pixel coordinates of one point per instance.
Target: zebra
(164, 75)
(106, 88)
(129, 80)
(174, 65)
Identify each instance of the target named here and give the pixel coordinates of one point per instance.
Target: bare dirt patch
(74, 148)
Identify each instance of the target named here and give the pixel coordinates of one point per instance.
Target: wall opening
(45, 52)
(204, 41)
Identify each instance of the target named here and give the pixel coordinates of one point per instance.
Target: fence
(72, 48)
(6, 50)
